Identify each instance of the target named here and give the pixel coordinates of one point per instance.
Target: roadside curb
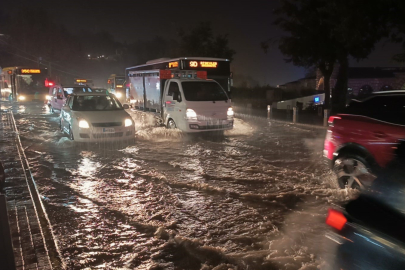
(33, 239)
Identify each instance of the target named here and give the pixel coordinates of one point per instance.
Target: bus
(218, 69)
(23, 83)
(84, 82)
(116, 86)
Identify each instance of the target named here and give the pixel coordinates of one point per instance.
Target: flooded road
(255, 198)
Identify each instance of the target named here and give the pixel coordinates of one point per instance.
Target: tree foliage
(202, 42)
(321, 33)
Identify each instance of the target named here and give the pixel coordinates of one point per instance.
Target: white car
(95, 117)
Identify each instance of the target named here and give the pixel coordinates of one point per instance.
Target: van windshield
(96, 103)
(203, 91)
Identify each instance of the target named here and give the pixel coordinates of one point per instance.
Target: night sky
(246, 22)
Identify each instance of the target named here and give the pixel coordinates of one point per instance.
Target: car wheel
(353, 172)
(71, 137)
(171, 124)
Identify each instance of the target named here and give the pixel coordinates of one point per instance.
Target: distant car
(93, 117)
(369, 232)
(58, 95)
(361, 141)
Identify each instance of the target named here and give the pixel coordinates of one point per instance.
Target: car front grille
(107, 124)
(108, 135)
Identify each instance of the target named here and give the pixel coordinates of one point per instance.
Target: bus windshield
(96, 103)
(31, 83)
(120, 81)
(203, 91)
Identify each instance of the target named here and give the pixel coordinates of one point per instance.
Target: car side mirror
(125, 106)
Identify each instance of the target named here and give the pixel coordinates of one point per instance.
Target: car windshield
(96, 103)
(203, 91)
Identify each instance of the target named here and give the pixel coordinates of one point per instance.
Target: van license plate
(108, 130)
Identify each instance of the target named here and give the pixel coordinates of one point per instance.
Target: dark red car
(362, 141)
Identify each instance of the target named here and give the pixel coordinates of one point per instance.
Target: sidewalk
(33, 242)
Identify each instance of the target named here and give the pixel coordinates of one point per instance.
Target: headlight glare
(83, 124)
(118, 95)
(191, 114)
(48, 97)
(230, 111)
(21, 97)
(128, 122)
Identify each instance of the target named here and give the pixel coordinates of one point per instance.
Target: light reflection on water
(243, 199)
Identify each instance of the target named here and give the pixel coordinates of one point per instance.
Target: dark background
(247, 24)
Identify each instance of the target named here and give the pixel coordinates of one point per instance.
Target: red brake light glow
(332, 118)
(336, 219)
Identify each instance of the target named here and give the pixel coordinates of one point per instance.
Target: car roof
(90, 94)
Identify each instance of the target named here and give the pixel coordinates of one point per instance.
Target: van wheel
(71, 137)
(353, 171)
(171, 124)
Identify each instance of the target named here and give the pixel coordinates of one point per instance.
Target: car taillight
(333, 118)
(336, 219)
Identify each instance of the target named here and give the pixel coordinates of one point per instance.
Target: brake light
(336, 219)
(332, 118)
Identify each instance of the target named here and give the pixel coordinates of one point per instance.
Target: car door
(60, 99)
(54, 97)
(387, 127)
(173, 106)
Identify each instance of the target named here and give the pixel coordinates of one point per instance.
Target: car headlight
(21, 97)
(128, 122)
(230, 111)
(83, 124)
(48, 97)
(191, 114)
(118, 95)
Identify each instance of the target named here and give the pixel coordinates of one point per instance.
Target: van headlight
(83, 124)
(21, 97)
(191, 114)
(118, 95)
(128, 122)
(48, 97)
(230, 111)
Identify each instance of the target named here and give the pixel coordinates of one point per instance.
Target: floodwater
(255, 198)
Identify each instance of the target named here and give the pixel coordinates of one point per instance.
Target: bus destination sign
(81, 80)
(30, 71)
(203, 64)
(173, 64)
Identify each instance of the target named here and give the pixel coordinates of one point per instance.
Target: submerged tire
(171, 124)
(353, 171)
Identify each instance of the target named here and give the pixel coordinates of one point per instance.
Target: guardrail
(293, 116)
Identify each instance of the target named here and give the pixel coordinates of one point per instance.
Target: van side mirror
(125, 106)
(177, 97)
